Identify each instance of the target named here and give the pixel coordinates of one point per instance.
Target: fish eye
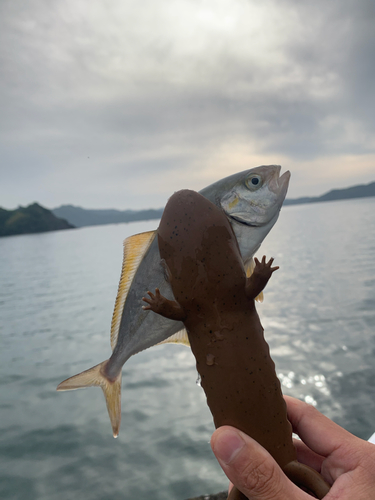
(254, 182)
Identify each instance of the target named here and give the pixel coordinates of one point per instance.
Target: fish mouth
(240, 220)
(279, 184)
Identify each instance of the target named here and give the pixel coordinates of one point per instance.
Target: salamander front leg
(168, 308)
(259, 279)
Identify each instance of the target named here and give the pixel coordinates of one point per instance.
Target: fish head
(252, 201)
(257, 198)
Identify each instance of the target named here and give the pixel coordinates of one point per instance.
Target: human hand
(345, 461)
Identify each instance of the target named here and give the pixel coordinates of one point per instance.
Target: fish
(215, 300)
(251, 200)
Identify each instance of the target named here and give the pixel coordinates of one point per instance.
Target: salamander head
(198, 245)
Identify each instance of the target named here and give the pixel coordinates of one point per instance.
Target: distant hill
(37, 219)
(31, 219)
(360, 191)
(79, 216)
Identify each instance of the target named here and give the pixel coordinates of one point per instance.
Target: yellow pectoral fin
(180, 337)
(249, 268)
(135, 248)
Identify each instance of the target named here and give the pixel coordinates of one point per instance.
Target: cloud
(117, 103)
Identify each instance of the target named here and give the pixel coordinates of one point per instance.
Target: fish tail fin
(111, 388)
(304, 476)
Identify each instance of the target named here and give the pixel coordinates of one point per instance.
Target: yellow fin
(180, 337)
(111, 391)
(135, 248)
(249, 268)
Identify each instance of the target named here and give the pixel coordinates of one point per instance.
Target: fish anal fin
(181, 337)
(135, 248)
(249, 268)
(111, 390)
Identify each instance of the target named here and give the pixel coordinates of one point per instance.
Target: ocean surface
(57, 292)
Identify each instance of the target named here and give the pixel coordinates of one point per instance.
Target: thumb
(251, 468)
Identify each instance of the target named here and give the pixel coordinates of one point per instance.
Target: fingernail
(227, 445)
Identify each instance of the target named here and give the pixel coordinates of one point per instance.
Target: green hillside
(91, 217)
(31, 219)
(360, 191)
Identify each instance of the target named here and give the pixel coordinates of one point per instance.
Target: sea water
(57, 292)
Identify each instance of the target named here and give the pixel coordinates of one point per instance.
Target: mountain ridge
(36, 219)
(31, 219)
(358, 191)
(91, 217)
(80, 217)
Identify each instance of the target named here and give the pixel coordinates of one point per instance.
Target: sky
(117, 104)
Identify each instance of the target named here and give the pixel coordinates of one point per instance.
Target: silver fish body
(252, 211)
(252, 200)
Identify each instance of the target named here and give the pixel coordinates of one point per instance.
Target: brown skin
(215, 300)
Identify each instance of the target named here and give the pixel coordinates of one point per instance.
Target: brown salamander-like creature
(215, 300)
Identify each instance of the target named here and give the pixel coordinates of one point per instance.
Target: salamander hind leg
(160, 305)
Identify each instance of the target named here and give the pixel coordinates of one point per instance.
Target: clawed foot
(155, 302)
(264, 268)
(161, 305)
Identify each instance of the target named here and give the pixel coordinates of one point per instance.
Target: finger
(251, 468)
(316, 430)
(269, 263)
(145, 299)
(275, 268)
(256, 261)
(307, 456)
(263, 259)
(151, 294)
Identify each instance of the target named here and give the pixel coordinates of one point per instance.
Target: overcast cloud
(119, 103)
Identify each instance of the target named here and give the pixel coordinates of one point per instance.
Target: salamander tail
(111, 389)
(306, 477)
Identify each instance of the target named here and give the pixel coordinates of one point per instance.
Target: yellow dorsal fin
(135, 248)
(180, 337)
(249, 268)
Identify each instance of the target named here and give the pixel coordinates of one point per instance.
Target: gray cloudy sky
(118, 103)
